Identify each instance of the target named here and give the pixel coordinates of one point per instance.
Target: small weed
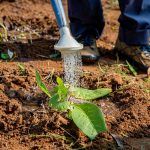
(131, 68)
(22, 69)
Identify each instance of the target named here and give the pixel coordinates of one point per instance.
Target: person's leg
(134, 34)
(86, 17)
(135, 21)
(86, 24)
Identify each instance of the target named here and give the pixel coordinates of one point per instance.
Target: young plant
(131, 68)
(87, 116)
(22, 69)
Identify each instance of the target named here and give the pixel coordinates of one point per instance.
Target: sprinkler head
(67, 44)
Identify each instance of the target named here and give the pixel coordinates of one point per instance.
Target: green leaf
(56, 104)
(21, 67)
(4, 56)
(89, 118)
(86, 94)
(131, 68)
(69, 115)
(60, 81)
(41, 84)
(62, 89)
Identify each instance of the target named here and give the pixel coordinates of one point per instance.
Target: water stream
(72, 68)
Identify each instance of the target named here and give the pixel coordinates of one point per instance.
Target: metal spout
(66, 43)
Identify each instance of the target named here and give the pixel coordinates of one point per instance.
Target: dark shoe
(90, 52)
(139, 54)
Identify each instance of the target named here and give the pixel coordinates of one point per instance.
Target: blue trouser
(86, 17)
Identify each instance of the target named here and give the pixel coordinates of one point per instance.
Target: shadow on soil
(39, 48)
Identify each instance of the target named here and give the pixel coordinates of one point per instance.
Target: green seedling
(22, 69)
(4, 56)
(87, 116)
(7, 55)
(131, 68)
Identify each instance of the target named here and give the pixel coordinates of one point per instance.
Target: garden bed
(26, 120)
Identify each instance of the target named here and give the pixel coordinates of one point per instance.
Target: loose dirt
(26, 121)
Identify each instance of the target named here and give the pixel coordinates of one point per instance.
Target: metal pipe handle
(59, 13)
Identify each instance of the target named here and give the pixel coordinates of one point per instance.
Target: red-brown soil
(26, 121)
